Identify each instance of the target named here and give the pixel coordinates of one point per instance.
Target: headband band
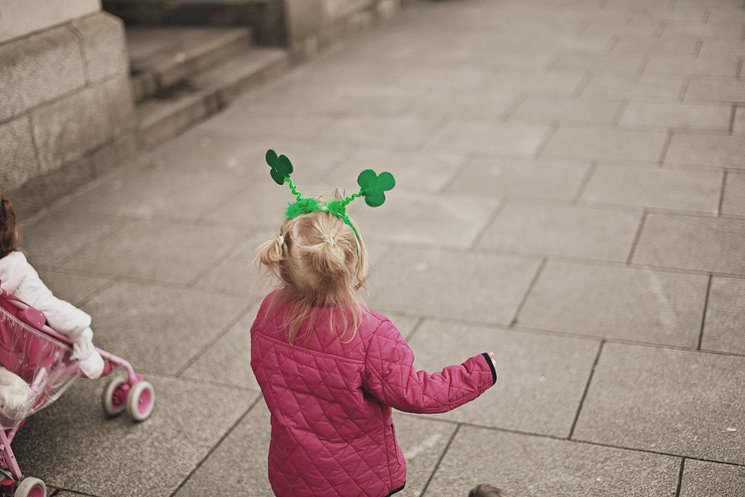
(372, 187)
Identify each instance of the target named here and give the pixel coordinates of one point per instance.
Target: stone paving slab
(707, 478)
(451, 284)
(420, 219)
(738, 125)
(529, 396)
(617, 302)
(672, 401)
(617, 64)
(74, 288)
(52, 240)
(692, 242)
(634, 88)
(232, 471)
(683, 189)
(156, 250)
(413, 171)
(706, 149)
(510, 178)
(724, 328)
(676, 115)
(227, 360)
(62, 444)
(239, 273)
(723, 65)
(566, 110)
(487, 107)
(562, 230)
(404, 132)
(489, 138)
(605, 144)
(160, 192)
(719, 90)
(531, 466)
(734, 194)
(157, 328)
(258, 127)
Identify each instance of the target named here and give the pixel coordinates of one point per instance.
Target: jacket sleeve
(391, 378)
(61, 315)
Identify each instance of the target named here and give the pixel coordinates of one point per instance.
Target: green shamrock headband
(372, 187)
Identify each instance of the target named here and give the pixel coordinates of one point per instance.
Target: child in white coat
(19, 278)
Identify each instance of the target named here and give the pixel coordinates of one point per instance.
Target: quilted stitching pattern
(330, 401)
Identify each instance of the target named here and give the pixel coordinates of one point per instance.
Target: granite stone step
(162, 57)
(168, 113)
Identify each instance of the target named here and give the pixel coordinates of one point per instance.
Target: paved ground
(571, 195)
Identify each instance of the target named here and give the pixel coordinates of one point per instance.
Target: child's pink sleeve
(390, 376)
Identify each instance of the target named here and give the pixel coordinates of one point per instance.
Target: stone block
(161, 329)
(17, 156)
(676, 115)
(706, 149)
(652, 187)
(451, 284)
(104, 48)
(531, 466)
(692, 242)
(561, 230)
(734, 194)
(66, 129)
(709, 478)
(119, 105)
(151, 458)
(718, 90)
(723, 329)
(672, 401)
(560, 110)
(606, 144)
(167, 251)
(124, 148)
(514, 178)
(37, 69)
(421, 219)
(617, 302)
(490, 138)
(632, 88)
(527, 396)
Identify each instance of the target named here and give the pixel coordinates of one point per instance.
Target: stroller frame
(130, 393)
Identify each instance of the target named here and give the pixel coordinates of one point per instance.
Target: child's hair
(321, 266)
(485, 490)
(8, 233)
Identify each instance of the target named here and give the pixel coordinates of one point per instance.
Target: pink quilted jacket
(331, 400)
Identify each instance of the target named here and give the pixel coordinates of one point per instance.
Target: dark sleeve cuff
(491, 367)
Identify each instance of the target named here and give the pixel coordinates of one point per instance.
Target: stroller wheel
(114, 399)
(141, 401)
(31, 487)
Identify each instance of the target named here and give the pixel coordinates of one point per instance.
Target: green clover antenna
(372, 187)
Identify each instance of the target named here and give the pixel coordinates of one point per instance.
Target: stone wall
(66, 111)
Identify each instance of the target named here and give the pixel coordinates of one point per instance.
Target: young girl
(18, 277)
(330, 368)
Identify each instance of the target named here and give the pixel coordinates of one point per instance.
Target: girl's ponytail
(8, 233)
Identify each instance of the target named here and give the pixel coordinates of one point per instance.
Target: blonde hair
(321, 265)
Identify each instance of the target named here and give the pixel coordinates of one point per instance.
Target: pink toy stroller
(41, 357)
